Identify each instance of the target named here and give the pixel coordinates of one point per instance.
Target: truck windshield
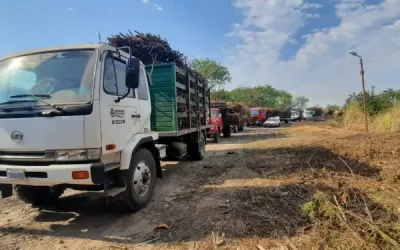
(58, 77)
(255, 112)
(214, 113)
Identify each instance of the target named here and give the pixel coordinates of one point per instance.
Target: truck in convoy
(217, 124)
(234, 116)
(93, 117)
(224, 118)
(260, 115)
(314, 111)
(297, 115)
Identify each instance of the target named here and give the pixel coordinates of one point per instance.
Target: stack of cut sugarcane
(147, 47)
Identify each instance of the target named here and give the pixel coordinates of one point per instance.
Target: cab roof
(98, 46)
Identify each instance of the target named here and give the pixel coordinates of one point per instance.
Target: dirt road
(250, 191)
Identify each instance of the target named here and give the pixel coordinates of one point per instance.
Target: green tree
(220, 94)
(333, 107)
(299, 103)
(376, 102)
(216, 74)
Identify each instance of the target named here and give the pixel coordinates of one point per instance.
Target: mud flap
(6, 190)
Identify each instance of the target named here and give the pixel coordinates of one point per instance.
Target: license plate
(15, 173)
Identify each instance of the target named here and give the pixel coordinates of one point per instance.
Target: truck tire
(38, 195)
(140, 180)
(216, 136)
(235, 129)
(198, 149)
(227, 132)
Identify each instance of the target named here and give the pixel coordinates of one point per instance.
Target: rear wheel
(198, 149)
(235, 129)
(38, 195)
(227, 131)
(140, 180)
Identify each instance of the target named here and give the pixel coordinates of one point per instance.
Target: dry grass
(354, 119)
(388, 121)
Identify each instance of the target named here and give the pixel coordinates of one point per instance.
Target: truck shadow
(249, 136)
(240, 195)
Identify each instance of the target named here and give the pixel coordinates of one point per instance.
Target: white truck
(80, 117)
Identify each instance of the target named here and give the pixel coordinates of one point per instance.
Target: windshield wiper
(17, 101)
(39, 97)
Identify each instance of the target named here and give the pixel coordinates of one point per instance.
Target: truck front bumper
(55, 174)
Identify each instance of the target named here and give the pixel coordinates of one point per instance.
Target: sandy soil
(247, 194)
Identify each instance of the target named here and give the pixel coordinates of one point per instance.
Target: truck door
(144, 100)
(119, 120)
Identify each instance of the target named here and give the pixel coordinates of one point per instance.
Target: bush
(388, 121)
(354, 118)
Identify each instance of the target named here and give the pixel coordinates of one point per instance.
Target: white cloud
(312, 6)
(145, 1)
(322, 69)
(158, 7)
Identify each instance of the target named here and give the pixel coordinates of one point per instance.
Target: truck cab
(216, 122)
(77, 117)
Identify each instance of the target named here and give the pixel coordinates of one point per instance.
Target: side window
(110, 81)
(114, 78)
(120, 69)
(143, 93)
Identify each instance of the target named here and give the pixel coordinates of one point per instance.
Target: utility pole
(363, 88)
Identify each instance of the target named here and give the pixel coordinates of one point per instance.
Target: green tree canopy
(299, 103)
(216, 74)
(376, 102)
(262, 96)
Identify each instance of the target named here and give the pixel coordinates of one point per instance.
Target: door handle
(136, 116)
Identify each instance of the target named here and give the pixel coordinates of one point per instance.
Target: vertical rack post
(189, 110)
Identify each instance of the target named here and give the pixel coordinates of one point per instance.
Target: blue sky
(197, 28)
(297, 45)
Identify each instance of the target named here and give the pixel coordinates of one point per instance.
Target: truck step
(114, 191)
(111, 166)
(162, 148)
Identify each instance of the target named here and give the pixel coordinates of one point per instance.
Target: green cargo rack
(180, 100)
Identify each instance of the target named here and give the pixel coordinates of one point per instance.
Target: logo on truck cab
(117, 113)
(17, 136)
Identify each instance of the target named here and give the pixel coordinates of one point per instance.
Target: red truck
(258, 116)
(215, 119)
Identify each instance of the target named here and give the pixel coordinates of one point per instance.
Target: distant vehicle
(307, 115)
(314, 111)
(272, 122)
(216, 122)
(296, 115)
(258, 116)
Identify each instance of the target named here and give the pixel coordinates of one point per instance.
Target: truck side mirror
(133, 73)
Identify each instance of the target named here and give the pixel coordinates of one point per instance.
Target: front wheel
(140, 180)
(38, 195)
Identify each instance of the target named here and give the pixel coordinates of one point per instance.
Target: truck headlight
(78, 154)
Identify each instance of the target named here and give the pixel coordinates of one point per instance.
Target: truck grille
(17, 156)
